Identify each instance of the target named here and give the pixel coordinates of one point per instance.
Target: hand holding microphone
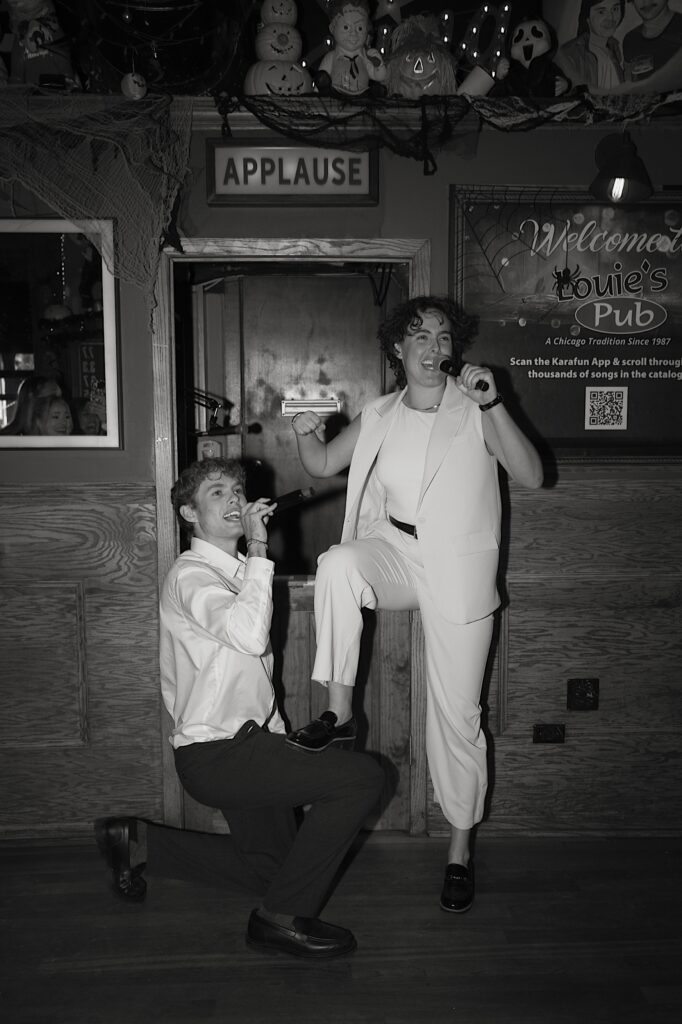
(474, 382)
(447, 366)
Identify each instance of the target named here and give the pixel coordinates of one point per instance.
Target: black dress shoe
(322, 732)
(458, 888)
(306, 937)
(113, 837)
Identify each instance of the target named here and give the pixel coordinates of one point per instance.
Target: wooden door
(274, 336)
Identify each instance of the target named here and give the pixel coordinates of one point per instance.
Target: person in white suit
(421, 531)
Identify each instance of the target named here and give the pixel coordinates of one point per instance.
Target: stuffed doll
(532, 71)
(350, 66)
(420, 64)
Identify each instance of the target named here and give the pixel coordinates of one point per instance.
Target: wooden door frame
(414, 252)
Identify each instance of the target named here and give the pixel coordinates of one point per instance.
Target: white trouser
(384, 571)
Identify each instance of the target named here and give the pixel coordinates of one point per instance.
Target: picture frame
(58, 335)
(579, 307)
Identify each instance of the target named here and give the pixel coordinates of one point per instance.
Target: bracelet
(254, 541)
(491, 405)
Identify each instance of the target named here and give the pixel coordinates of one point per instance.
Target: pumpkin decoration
(278, 47)
(282, 12)
(276, 78)
(134, 86)
(419, 63)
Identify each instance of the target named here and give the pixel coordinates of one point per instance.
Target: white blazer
(459, 509)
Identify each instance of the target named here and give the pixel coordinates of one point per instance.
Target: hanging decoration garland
(181, 47)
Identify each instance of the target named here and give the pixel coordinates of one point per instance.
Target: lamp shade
(622, 176)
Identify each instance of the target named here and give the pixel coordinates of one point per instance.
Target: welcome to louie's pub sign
(278, 174)
(580, 312)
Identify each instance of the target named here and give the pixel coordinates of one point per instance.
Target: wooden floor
(563, 931)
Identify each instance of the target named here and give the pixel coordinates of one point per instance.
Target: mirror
(58, 355)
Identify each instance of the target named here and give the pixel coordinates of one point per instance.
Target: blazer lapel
(375, 432)
(445, 429)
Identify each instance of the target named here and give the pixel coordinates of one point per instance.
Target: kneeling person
(229, 738)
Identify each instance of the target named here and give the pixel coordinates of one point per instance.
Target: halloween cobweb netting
(421, 128)
(100, 158)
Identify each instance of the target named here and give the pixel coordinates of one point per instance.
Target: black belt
(405, 527)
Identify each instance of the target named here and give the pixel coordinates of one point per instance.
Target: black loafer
(322, 732)
(306, 937)
(113, 837)
(458, 888)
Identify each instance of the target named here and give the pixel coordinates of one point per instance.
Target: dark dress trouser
(256, 780)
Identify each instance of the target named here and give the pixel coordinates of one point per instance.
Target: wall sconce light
(622, 176)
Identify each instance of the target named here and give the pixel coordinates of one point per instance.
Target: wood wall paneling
(78, 603)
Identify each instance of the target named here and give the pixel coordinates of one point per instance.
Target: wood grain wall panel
(293, 647)
(103, 532)
(623, 785)
(61, 791)
(586, 526)
(43, 653)
(626, 634)
(123, 665)
(80, 600)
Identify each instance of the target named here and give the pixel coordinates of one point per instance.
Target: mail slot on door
(322, 406)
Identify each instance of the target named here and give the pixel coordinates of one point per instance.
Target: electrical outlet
(549, 733)
(582, 694)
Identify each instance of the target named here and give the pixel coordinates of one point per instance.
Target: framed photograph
(58, 336)
(580, 313)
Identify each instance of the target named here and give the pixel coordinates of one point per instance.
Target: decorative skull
(531, 39)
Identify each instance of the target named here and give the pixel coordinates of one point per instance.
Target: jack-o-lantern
(282, 11)
(419, 63)
(278, 41)
(134, 86)
(277, 78)
(278, 47)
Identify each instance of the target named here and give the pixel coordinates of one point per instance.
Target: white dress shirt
(215, 655)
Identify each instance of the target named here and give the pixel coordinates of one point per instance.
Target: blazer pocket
(473, 543)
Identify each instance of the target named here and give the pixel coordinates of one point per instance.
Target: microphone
(293, 498)
(447, 366)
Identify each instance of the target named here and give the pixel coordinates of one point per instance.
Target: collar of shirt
(220, 559)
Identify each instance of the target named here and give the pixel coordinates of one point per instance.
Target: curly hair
(186, 486)
(394, 328)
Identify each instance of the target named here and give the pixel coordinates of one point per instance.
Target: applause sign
(580, 312)
(264, 174)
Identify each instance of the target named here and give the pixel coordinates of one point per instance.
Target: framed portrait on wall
(580, 313)
(58, 335)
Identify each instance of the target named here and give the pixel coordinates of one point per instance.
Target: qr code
(606, 408)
